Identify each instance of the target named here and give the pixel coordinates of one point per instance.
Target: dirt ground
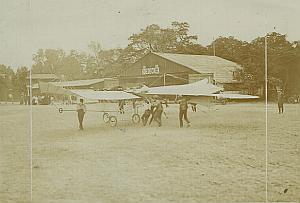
(220, 158)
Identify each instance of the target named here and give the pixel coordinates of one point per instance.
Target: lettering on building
(150, 70)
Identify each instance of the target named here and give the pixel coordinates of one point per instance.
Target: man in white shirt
(81, 109)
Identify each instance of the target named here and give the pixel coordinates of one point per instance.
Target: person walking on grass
(146, 116)
(158, 113)
(147, 112)
(194, 107)
(121, 106)
(183, 106)
(81, 109)
(153, 105)
(280, 101)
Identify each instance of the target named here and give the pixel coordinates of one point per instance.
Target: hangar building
(96, 84)
(158, 69)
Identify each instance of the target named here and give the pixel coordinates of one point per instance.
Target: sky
(29, 25)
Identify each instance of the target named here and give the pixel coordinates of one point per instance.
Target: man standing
(147, 113)
(194, 107)
(152, 109)
(183, 106)
(10, 96)
(158, 112)
(121, 106)
(280, 102)
(52, 100)
(81, 109)
(22, 99)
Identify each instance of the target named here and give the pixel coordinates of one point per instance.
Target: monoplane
(112, 104)
(201, 92)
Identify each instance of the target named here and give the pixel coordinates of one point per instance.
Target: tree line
(283, 57)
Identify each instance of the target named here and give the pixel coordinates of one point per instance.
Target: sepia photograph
(149, 101)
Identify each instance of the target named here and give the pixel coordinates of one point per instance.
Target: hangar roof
(43, 76)
(201, 63)
(221, 68)
(77, 83)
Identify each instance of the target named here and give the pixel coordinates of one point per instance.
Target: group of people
(154, 111)
(36, 99)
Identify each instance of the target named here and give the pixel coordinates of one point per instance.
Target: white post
(30, 102)
(214, 49)
(266, 68)
(266, 113)
(30, 98)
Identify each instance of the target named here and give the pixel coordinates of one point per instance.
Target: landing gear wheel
(106, 117)
(291, 100)
(60, 110)
(224, 101)
(113, 121)
(136, 118)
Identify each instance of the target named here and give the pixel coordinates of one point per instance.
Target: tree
(185, 43)
(282, 57)
(230, 48)
(70, 66)
(58, 62)
(282, 62)
(96, 49)
(47, 61)
(38, 61)
(6, 86)
(293, 82)
(154, 38)
(20, 80)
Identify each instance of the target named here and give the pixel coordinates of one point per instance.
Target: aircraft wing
(235, 96)
(200, 88)
(104, 95)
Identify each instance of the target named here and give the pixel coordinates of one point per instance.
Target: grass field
(220, 158)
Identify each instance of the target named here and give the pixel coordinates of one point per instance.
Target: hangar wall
(153, 70)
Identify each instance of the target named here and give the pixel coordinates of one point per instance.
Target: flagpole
(214, 49)
(266, 112)
(30, 102)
